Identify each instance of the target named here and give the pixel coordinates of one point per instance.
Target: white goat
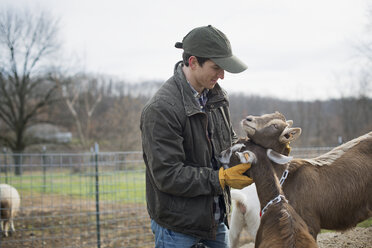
(9, 207)
(245, 214)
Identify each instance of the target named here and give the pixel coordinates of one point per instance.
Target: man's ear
(193, 62)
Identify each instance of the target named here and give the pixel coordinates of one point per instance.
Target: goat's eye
(275, 126)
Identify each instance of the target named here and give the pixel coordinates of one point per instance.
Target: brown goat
(280, 225)
(332, 191)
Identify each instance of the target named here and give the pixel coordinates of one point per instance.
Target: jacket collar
(189, 102)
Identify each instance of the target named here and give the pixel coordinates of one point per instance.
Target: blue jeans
(166, 238)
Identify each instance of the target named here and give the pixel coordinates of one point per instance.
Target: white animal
(245, 214)
(9, 207)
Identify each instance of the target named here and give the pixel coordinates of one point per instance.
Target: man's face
(206, 76)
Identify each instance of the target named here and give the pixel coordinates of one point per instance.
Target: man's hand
(234, 177)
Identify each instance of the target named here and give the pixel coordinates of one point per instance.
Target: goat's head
(270, 131)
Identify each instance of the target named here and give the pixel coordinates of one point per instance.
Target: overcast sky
(294, 49)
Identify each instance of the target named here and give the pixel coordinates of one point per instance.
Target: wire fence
(78, 200)
(92, 199)
(309, 152)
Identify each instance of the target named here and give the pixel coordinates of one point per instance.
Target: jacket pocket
(177, 204)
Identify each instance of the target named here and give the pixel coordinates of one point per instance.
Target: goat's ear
(277, 157)
(290, 134)
(290, 123)
(247, 157)
(225, 155)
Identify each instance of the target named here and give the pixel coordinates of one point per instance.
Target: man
(184, 128)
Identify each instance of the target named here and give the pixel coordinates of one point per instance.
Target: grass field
(123, 186)
(366, 223)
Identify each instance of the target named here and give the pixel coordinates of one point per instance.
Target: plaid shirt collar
(201, 98)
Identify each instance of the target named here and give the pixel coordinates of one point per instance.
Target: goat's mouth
(249, 130)
(248, 127)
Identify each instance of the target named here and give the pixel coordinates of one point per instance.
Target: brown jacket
(180, 182)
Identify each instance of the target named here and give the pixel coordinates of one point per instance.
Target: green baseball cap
(209, 42)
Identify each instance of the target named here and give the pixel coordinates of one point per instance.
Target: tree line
(323, 123)
(114, 124)
(95, 109)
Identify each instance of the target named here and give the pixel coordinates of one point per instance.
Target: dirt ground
(358, 237)
(56, 221)
(354, 238)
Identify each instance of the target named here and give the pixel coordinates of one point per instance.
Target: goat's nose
(249, 118)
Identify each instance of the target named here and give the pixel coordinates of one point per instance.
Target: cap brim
(231, 64)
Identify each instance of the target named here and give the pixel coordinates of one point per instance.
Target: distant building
(49, 133)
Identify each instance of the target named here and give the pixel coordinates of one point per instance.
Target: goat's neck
(281, 148)
(266, 181)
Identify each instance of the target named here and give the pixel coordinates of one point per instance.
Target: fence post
(96, 147)
(90, 171)
(5, 165)
(44, 169)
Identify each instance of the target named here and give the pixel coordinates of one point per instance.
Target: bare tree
(121, 125)
(81, 94)
(27, 41)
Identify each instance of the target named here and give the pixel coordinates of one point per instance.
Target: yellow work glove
(234, 177)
